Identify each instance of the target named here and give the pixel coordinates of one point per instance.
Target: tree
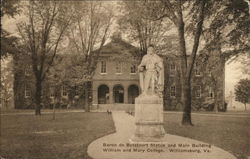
(10, 8)
(88, 35)
(65, 72)
(176, 11)
(41, 35)
(242, 91)
(8, 42)
(213, 69)
(226, 38)
(188, 17)
(144, 31)
(6, 82)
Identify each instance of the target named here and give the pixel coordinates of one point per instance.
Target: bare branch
(197, 36)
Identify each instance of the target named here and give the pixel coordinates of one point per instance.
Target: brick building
(115, 83)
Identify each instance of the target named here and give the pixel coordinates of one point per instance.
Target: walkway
(118, 145)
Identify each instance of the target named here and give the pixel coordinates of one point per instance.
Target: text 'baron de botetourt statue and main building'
(149, 104)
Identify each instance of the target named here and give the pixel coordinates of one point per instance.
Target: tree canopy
(242, 91)
(9, 44)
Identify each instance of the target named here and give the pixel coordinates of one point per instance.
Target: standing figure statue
(151, 73)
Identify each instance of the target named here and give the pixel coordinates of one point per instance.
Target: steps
(125, 107)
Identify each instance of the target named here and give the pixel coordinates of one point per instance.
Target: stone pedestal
(148, 119)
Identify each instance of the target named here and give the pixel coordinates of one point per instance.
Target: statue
(151, 73)
(149, 105)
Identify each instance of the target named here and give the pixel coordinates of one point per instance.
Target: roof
(118, 47)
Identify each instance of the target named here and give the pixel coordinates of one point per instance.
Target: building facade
(115, 84)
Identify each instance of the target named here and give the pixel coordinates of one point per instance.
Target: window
(64, 91)
(27, 91)
(172, 69)
(76, 91)
(103, 67)
(118, 68)
(210, 92)
(197, 70)
(52, 92)
(198, 92)
(209, 73)
(27, 70)
(172, 91)
(133, 69)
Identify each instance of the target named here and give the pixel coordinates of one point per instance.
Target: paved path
(124, 124)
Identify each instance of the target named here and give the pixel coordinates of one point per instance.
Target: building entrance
(118, 94)
(103, 94)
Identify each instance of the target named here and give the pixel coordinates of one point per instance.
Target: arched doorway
(133, 92)
(103, 94)
(118, 94)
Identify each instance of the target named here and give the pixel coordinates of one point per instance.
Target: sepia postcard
(125, 79)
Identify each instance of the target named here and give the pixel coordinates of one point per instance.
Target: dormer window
(118, 68)
(103, 67)
(133, 69)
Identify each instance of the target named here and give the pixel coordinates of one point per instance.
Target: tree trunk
(185, 81)
(38, 95)
(215, 100)
(54, 109)
(86, 97)
(186, 100)
(5, 104)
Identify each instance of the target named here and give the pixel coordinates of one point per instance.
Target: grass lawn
(229, 133)
(34, 137)
(9, 111)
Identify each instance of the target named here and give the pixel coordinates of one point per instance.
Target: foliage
(181, 13)
(212, 66)
(136, 23)
(88, 33)
(242, 91)
(226, 22)
(6, 81)
(225, 38)
(8, 43)
(41, 35)
(9, 8)
(227, 28)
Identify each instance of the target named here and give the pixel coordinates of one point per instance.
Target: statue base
(148, 119)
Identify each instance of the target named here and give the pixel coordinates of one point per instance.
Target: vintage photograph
(125, 79)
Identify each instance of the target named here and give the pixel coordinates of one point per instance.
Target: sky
(232, 70)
